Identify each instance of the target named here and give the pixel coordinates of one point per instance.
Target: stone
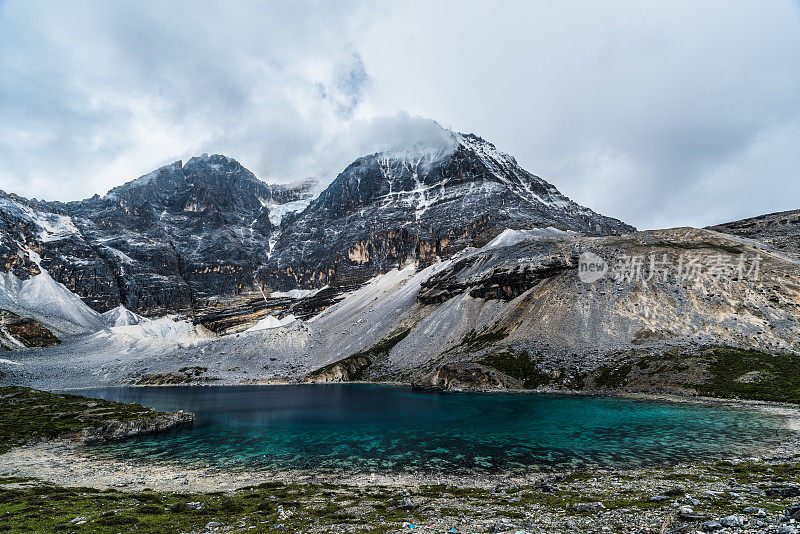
(732, 521)
(711, 526)
(497, 526)
(783, 491)
(792, 509)
(407, 503)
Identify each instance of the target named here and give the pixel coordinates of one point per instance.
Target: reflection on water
(390, 429)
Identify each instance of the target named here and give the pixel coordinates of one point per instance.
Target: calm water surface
(393, 429)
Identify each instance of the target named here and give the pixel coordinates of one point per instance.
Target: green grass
(781, 375)
(612, 377)
(48, 508)
(28, 414)
(30, 506)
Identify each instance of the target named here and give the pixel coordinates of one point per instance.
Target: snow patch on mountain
(49, 302)
(278, 211)
(297, 293)
(51, 226)
(509, 237)
(122, 316)
(163, 328)
(271, 321)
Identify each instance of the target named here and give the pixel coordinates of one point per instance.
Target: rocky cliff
(183, 234)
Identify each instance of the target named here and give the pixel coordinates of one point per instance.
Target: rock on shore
(125, 429)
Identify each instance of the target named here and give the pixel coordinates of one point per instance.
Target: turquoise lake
(384, 429)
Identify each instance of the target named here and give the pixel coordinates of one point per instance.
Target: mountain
(388, 207)
(208, 239)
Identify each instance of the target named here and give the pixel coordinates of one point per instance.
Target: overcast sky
(658, 113)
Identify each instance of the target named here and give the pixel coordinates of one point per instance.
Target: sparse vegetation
(519, 365)
(355, 366)
(623, 498)
(776, 376)
(730, 249)
(613, 377)
(474, 341)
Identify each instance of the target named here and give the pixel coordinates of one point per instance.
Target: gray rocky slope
(513, 313)
(780, 231)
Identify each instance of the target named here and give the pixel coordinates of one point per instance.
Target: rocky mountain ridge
(386, 208)
(780, 231)
(208, 239)
(181, 234)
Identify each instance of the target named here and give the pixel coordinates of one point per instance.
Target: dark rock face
(114, 430)
(470, 376)
(384, 209)
(487, 278)
(226, 316)
(29, 332)
(189, 236)
(185, 233)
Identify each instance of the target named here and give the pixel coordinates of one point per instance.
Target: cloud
(413, 136)
(658, 113)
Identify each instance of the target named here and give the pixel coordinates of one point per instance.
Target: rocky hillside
(712, 314)
(208, 239)
(517, 314)
(780, 231)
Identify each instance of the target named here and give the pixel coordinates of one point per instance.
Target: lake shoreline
(789, 411)
(69, 462)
